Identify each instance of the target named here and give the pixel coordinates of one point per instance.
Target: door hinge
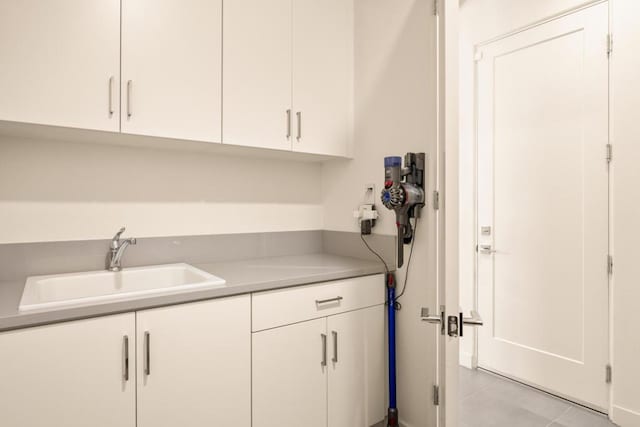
(609, 44)
(609, 153)
(608, 374)
(436, 200)
(436, 395)
(610, 264)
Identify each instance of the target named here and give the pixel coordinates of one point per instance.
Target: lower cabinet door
(290, 375)
(194, 364)
(356, 368)
(70, 374)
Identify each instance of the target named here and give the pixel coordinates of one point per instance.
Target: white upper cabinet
(172, 68)
(288, 75)
(257, 73)
(60, 62)
(323, 76)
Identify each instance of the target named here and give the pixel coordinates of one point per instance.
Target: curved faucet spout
(117, 250)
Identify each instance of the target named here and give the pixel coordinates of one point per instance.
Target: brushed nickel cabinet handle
(111, 96)
(147, 353)
(299, 116)
(335, 346)
(288, 124)
(324, 350)
(129, 89)
(125, 356)
(327, 301)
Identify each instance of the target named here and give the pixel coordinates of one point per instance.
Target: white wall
(480, 21)
(52, 190)
(625, 63)
(395, 92)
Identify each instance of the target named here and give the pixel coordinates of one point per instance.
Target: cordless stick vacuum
(403, 193)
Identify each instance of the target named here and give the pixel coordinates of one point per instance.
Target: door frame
(474, 175)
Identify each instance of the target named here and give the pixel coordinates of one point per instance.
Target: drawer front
(286, 306)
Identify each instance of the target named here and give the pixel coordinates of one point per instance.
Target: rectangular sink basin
(82, 289)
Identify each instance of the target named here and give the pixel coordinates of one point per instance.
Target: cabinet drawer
(285, 306)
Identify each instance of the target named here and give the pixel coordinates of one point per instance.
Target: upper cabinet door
(323, 76)
(257, 73)
(172, 68)
(194, 364)
(60, 62)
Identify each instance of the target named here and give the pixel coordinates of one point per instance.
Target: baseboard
(625, 417)
(466, 360)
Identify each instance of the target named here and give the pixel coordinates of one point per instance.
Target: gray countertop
(242, 277)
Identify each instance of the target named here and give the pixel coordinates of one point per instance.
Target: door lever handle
(487, 249)
(474, 320)
(425, 317)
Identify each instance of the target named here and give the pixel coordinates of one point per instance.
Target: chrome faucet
(117, 249)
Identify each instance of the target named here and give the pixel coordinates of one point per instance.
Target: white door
(71, 374)
(194, 364)
(289, 383)
(543, 191)
(60, 62)
(257, 73)
(356, 368)
(172, 68)
(322, 75)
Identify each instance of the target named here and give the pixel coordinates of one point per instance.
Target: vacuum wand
(404, 193)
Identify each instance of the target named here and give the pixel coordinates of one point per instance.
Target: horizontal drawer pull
(327, 301)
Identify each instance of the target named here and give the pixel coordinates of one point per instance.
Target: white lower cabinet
(190, 365)
(356, 391)
(193, 364)
(325, 372)
(289, 379)
(69, 375)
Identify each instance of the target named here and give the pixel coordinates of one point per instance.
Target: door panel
(323, 75)
(356, 368)
(60, 61)
(289, 382)
(543, 189)
(69, 374)
(172, 68)
(199, 364)
(257, 73)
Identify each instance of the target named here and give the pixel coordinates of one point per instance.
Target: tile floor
(487, 400)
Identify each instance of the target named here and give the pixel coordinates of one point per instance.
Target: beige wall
(395, 110)
(51, 190)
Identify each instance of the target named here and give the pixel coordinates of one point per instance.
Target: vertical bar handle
(335, 346)
(324, 349)
(288, 124)
(147, 353)
(111, 96)
(125, 358)
(299, 116)
(129, 89)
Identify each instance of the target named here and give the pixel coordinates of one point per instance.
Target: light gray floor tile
(580, 417)
(488, 400)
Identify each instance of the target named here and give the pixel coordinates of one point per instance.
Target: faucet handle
(116, 238)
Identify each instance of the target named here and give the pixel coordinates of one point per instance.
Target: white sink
(81, 289)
